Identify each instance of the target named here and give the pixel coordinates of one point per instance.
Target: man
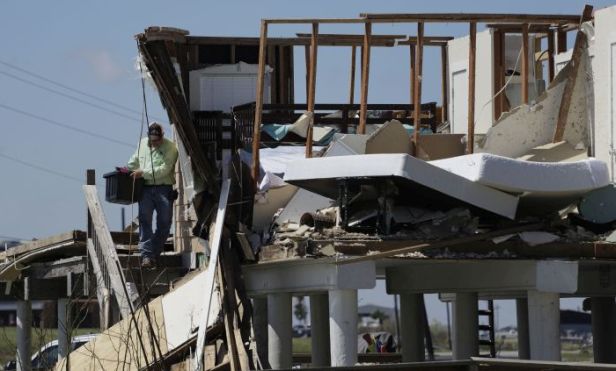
(154, 161)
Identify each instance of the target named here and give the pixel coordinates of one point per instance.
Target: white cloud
(102, 64)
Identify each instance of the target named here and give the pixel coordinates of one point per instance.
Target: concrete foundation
(411, 328)
(465, 326)
(604, 340)
(521, 306)
(343, 327)
(24, 327)
(319, 322)
(544, 325)
(279, 334)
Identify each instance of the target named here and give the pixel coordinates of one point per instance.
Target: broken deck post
(417, 86)
(412, 72)
(280, 331)
(312, 80)
(411, 327)
(319, 331)
(602, 316)
(472, 51)
(363, 104)
(256, 134)
(465, 326)
(352, 78)
(343, 327)
(521, 306)
(544, 325)
(23, 338)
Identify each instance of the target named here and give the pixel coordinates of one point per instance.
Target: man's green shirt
(158, 164)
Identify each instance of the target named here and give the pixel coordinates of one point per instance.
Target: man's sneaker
(148, 263)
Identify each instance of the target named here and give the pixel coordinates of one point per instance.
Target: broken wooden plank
(63, 238)
(472, 53)
(418, 72)
(525, 63)
(440, 244)
(365, 72)
(256, 130)
(565, 102)
(312, 81)
(211, 270)
(102, 291)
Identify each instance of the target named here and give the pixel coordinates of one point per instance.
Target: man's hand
(137, 174)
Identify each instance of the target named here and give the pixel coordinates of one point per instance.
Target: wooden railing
(110, 281)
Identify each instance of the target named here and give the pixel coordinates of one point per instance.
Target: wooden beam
(444, 86)
(551, 47)
(256, 134)
(472, 51)
(376, 40)
(565, 102)
(307, 65)
(498, 74)
(352, 77)
(312, 81)
(417, 86)
(365, 77)
(551, 19)
(525, 63)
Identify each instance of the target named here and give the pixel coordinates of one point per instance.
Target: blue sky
(89, 46)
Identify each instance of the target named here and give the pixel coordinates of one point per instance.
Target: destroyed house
(502, 190)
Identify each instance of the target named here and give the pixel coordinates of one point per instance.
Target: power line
(132, 118)
(64, 86)
(65, 126)
(40, 168)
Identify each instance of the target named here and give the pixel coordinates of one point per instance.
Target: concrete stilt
(465, 326)
(64, 323)
(602, 309)
(411, 328)
(343, 327)
(259, 321)
(24, 327)
(544, 325)
(521, 306)
(279, 334)
(319, 324)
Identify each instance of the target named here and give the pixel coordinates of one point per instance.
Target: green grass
(39, 337)
(301, 345)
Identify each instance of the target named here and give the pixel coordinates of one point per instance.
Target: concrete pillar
(259, 322)
(24, 327)
(279, 331)
(343, 327)
(319, 328)
(465, 326)
(64, 323)
(411, 328)
(544, 325)
(521, 307)
(602, 309)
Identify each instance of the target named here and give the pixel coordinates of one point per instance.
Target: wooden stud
(352, 77)
(363, 107)
(565, 101)
(282, 76)
(417, 85)
(551, 67)
(412, 71)
(472, 50)
(444, 85)
(256, 134)
(561, 41)
(497, 63)
(312, 85)
(525, 66)
(307, 61)
(291, 75)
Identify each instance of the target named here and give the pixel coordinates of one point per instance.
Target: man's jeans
(157, 198)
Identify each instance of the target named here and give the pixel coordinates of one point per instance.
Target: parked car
(47, 357)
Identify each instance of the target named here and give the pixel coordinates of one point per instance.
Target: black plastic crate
(119, 188)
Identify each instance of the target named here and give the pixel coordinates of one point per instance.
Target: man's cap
(155, 129)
